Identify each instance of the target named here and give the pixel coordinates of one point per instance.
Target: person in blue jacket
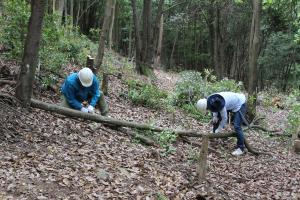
(220, 104)
(81, 92)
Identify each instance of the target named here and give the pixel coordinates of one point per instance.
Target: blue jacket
(75, 93)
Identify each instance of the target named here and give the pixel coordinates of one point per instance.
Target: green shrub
(192, 86)
(59, 44)
(145, 94)
(13, 27)
(195, 113)
(165, 140)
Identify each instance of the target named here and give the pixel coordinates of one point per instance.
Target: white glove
(83, 109)
(215, 120)
(90, 109)
(218, 130)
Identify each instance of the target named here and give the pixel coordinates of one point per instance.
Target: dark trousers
(237, 124)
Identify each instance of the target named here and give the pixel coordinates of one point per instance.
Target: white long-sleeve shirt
(233, 103)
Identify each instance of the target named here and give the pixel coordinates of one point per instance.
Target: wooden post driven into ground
(202, 166)
(90, 63)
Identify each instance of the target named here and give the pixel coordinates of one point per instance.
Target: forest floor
(50, 156)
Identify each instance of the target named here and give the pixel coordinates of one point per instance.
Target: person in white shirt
(220, 104)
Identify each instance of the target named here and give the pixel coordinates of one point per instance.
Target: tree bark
(157, 33)
(110, 40)
(253, 56)
(202, 166)
(138, 56)
(1, 7)
(103, 34)
(31, 49)
(157, 56)
(146, 36)
(172, 62)
(72, 12)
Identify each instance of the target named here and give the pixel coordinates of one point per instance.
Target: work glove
(84, 109)
(91, 109)
(215, 120)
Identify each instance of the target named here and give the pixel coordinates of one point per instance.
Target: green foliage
(161, 196)
(146, 94)
(277, 67)
(192, 86)
(195, 113)
(165, 138)
(59, 44)
(13, 27)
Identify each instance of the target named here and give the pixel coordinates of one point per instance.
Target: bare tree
(31, 49)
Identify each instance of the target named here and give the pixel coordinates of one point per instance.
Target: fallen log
(121, 123)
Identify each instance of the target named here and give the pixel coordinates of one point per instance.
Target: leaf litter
(49, 156)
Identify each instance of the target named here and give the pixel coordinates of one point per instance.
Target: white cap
(85, 76)
(202, 105)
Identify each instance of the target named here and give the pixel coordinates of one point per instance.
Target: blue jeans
(237, 123)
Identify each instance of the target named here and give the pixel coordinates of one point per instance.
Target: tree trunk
(216, 43)
(138, 56)
(78, 14)
(110, 40)
(103, 34)
(31, 49)
(147, 47)
(157, 33)
(61, 5)
(253, 56)
(130, 39)
(210, 25)
(157, 58)
(72, 13)
(172, 62)
(1, 7)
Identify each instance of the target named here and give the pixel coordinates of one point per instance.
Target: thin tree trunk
(157, 35)
(147, 47)
(61, 5)
(130, 39)
(216, 43)
(72, 13)
(78, 12)
(53, 5)
(254, 46)
(110, 40)
(103, 34)
(138, 58)
(1, 7)
(157, 58)
(173, 49)
(31, 49)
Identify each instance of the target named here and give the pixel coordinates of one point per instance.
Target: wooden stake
(202, 167)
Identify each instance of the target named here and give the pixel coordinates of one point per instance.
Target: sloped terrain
(49, 156)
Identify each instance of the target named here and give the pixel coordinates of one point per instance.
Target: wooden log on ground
(121, 123)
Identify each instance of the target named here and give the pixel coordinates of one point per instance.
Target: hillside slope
(49, 156)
